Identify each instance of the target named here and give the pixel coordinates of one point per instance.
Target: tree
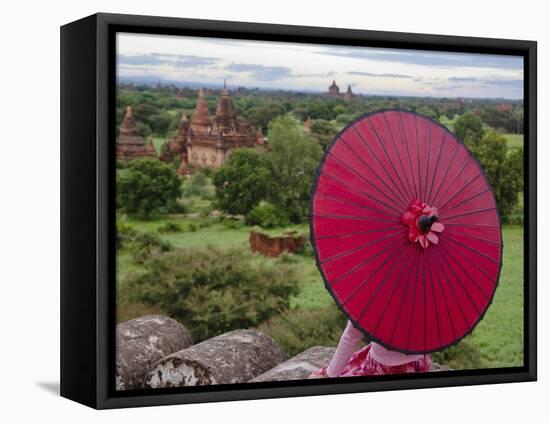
(259, 117)
(503, 168)
(147, 186)
(324, 131)
(469, 128)
(293, 159)
(241, 182)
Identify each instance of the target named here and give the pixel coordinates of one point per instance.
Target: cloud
(157, 59)
(512, 83)
(380, 75)
(260, 72)
(462, 79)
(419, 57)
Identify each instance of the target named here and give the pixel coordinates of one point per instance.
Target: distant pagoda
(129, 144)
(349, 95)
(334, 90)
(307, 125)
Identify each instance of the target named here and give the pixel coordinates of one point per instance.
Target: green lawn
(514, 140)
(496, 342)
(157, 142)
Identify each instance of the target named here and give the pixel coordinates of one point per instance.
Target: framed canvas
(259, 211)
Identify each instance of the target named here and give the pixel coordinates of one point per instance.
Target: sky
(312, 67)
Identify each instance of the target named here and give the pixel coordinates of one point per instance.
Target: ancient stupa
(129, 144)
(201, 122)
(307, 125)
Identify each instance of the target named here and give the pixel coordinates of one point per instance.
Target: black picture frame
(88, 224)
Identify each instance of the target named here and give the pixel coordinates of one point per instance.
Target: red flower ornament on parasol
(406, 232)
(421, 220)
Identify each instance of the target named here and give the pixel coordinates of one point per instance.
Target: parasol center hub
(425, 223)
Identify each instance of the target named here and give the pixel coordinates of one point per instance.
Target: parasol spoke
(349, 234)
(360, 265)
(441, 183)
(339, 216)
(450, 184)
(470, 213)
(436, 311)
(451, 287)
(398, 156)
(460, 191)
(429, 196)
(477, 225)
(360, 247)
(353, 203)
(465, 234)
(409, 155)
(403, 193)
(379, 287)
(444, 255)
(418, 157)
(394, 288)
(398, 318)
(364, 282)
(344, 184)
(366, 180)
(462, 202)
(398, 194)
(413, 301)
(439, 278)
(429, 149)
(473, 263)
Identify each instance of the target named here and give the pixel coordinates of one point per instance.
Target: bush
(169, 227)
(144, 244)
(124, 234)
(232, 223)
(267, 216)
(288, 258)
(300, 329)
(306, 250)
(212, 291)
(198, 185)
(147, 186)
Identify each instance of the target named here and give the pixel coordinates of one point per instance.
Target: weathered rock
(143, 341)
(233, 357)
(273, 246)
(300, 366)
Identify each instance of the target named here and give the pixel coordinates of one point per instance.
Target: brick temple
(206, 141)
(129, 144)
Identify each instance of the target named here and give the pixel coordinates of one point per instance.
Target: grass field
(514, 140)
(496, 342)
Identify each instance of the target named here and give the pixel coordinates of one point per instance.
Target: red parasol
(406, 231)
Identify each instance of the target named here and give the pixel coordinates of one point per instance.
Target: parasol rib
(398, 156)
(344, 184)
(360, 247)
(403, 194)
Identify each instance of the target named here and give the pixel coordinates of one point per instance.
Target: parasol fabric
(406, 231)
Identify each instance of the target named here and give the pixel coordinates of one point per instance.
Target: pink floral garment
(361, 364)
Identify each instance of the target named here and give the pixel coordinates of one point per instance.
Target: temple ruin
(129, 144)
